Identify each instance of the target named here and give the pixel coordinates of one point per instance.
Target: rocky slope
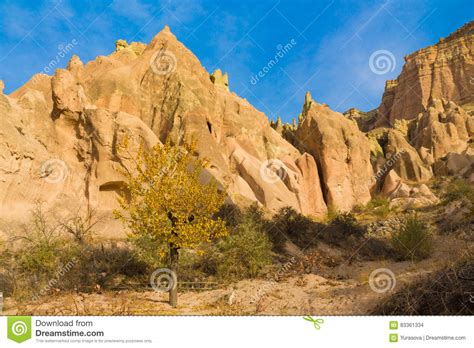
(60, 135)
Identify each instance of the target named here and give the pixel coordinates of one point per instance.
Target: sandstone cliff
(60, 135)
(342, 152)
(444, 70)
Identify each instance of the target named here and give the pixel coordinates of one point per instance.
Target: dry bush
(449, 291)
(61, 254)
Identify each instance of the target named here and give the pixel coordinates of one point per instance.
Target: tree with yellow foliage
(165, 199)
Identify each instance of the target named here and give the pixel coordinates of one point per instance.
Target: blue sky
(328, 43)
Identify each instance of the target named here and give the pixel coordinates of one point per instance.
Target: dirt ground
(342, 289)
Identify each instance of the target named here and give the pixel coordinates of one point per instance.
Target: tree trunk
(174, 268)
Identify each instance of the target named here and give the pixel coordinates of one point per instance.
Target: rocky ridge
(60, 135)
(444, 70)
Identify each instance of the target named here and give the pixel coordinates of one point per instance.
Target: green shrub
(413, 240)
(40, 243)
(245, 252)
(331, 214)
(378, 206)
(459, 189)
(149, 250)
(290, 222)
(230, 213)
(104, 265)
(342, 226)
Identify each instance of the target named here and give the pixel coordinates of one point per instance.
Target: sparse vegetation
(41, 241)
(378, 206)
(288, 224)
(331, 214)
(413, 241)
(348, 224)
(47, 257)
(445, 292)
(459, 189)
(244, 253)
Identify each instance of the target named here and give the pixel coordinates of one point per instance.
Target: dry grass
(449, 291)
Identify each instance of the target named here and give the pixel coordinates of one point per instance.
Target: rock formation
(341, 151)
(364, 120)
(220, 80)
(406, 196)
(444, 127)
(60, 136)
(444, 70)
(404, 158)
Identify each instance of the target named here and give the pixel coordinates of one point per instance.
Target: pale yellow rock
(78, 118)
(407, 162)
(391, 183)
(443, 70)
(220, 79)
(120, 45)
(341, 151)
(444, 127)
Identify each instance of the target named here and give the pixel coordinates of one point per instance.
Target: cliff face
(342, 152)
(60, 135)
(444, 70)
